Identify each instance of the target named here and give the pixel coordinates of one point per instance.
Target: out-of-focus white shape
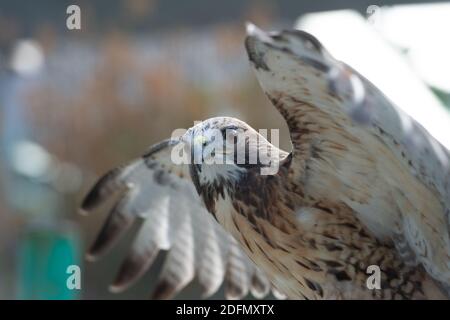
(411, 25)
(30, 159)
(433, 64)
(423, 30)
(349, 38)
(27, 57)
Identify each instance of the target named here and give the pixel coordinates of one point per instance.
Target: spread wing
(161, 193)
(317, 94)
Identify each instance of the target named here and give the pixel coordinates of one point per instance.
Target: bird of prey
(356, 190)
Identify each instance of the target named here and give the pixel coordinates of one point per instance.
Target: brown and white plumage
(156, 190)
(353, 192)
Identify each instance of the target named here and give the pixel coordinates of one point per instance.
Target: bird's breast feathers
(318, 251)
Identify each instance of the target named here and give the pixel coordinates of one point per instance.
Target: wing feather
(115, 226)
(211, 258)
(237, 281)
(320, 96)
(178, 269)
(142, 255)
(260, 285)
(161, 193)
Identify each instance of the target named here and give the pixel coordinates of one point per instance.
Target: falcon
(357, 190)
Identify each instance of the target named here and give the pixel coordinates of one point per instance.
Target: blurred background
(75, 103)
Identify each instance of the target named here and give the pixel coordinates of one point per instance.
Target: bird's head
(292, 61)
(223, 149)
